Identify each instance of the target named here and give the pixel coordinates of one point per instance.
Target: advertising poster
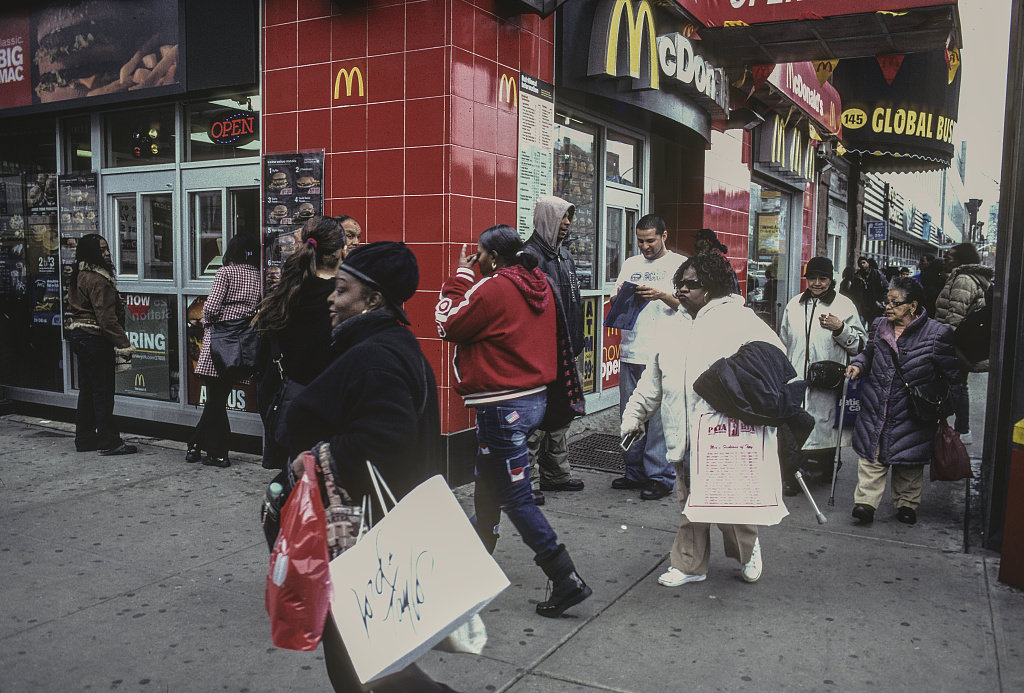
(78, 214)
(84, 48)
(767, 236)
(587, 359)
(42, 248)
(292, 194)
(148, 320)
(609, 352)
(13, 270)
(536, 148)
(242, 397)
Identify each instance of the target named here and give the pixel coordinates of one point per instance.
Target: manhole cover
(597, 451)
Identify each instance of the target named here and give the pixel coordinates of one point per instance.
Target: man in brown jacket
(96, 332)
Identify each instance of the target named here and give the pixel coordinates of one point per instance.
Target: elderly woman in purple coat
(906, 349)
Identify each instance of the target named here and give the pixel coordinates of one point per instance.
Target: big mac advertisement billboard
(87, 48)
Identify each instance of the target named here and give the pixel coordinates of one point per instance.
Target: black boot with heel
(568, 588)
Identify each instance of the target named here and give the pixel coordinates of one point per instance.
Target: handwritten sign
(414, 578)
(735, 476)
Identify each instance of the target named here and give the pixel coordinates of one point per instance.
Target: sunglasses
(895, 304)
(689, 284)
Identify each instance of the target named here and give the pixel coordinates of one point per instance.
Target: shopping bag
(950, 461)
(298, 588)
(851, 404)
(416, 576)
(469, 638)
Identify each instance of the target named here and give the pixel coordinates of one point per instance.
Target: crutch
(817, 513)
(839, 444)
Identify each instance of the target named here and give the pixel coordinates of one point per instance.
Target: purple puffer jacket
(885, 431)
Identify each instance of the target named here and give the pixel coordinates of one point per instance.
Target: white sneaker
(966, 438)
(674, 578)
(752, 569)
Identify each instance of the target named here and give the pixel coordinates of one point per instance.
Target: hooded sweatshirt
(555, 260)
(505, 331)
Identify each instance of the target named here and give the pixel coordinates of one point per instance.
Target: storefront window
(575, 181)
(126, 214)
(223, 129)
(207, 232)
(768, 257)
(141, 137)
(158, 227)
(77, 144)
(30, 318)
(619, 240)
(623, 162)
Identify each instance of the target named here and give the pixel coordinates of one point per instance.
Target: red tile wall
(727, 195)
(427, 153)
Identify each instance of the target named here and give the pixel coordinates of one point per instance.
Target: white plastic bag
(470, 637)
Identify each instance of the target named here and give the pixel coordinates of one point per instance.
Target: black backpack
(973, 335)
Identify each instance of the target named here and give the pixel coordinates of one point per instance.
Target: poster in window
(42, 248)
(768, 236)
(292, 194)
(610, 351)
(13, 268)
(78, 215)
(587, 359)
(148, 320)
(241, 397)
(536, 148)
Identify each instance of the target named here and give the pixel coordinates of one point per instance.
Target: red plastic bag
(950, 461)
(298, 588)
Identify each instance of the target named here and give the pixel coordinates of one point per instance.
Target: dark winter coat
(867, 293)
(963, 293)
(377, 401)
(885, 431)
(555, 260)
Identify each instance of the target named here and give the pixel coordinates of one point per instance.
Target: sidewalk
(144, 573)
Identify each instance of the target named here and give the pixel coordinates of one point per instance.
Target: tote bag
(416, 576)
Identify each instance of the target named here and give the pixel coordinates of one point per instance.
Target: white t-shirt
(639, 344)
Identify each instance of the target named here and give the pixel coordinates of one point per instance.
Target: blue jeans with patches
(503, 473)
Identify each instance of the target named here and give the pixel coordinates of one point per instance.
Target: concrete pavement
(144, 573)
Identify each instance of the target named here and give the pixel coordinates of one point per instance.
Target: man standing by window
(647, 466)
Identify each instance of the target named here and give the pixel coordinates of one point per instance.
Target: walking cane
(817, 513)
(839, 444)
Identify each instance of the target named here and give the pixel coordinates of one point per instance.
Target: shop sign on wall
(147, 321)
(292, 194)
(536, 146)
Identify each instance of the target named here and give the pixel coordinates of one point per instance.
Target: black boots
(568, 588)
(193, 454)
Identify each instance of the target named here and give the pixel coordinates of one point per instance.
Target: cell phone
(628, 440)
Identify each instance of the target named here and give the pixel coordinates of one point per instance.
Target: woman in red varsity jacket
(504, 327)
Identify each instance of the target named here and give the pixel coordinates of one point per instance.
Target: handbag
(416, 576)
(826, 375)
(950, 461)
(929, 401)
(298, 585)
(235, 348)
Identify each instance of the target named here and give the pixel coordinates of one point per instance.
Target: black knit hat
(819, 265)
(387, 266)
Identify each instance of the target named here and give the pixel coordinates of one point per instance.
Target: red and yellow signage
(821, 102)
(713, 13)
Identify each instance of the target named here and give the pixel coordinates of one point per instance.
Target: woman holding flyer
(719, 324)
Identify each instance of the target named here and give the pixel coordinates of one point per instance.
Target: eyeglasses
(894, 304)
(689, 284)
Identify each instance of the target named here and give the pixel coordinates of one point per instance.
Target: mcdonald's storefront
(425, 120)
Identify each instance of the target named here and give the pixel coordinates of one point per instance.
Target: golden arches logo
(778, 141)
(140, 380)
(350, 77)
(508, 92)
(638, 23)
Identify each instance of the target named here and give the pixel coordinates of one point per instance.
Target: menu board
(292, 194)
(149, 322)
(536, 140)
(78, 215)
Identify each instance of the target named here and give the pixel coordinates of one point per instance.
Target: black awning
(541, 7)
(845, 36)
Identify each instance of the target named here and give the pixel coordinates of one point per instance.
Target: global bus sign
(717, 13)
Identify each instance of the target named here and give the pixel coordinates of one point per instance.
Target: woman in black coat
(905, 347)
(377, 401)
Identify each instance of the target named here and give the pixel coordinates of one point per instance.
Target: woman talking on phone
(505, 330)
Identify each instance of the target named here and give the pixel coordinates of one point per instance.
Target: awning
(541, 7)
(812, 30)
(900, 112)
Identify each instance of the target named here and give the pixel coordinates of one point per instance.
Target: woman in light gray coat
(906, 341)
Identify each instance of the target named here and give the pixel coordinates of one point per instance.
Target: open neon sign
(233, 127)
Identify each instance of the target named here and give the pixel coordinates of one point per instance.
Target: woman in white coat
(821, 325)
(714, 324)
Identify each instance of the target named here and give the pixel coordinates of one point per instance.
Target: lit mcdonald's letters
(507, 91)
(352, 76)
(604, 48)
(677, 59)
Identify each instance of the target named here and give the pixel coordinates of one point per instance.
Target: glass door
(140, 208)
(622, 211)
(769, 260)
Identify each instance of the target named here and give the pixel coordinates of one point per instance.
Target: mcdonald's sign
(507, 91)
(786, 150)
(140, 380)
(640, 35)
(351, 76)
(821, 102)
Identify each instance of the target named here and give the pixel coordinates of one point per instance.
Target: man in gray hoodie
(548, 449)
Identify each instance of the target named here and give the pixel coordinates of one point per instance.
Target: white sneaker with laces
(752, 569)
(674, 578)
